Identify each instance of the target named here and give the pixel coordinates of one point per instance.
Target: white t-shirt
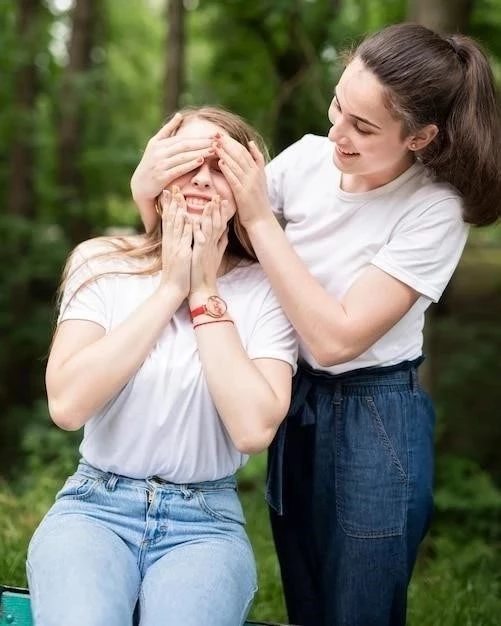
(164, 422)
(411, 228)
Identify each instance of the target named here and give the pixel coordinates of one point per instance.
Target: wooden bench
(15, 608)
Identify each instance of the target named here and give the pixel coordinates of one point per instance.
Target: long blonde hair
(147, 248)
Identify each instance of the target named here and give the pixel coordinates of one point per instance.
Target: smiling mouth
(346, 153)
(196, 205)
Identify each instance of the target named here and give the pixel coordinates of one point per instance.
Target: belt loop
(338, 396)
(414, 379)
(186, 492)
(111, 483)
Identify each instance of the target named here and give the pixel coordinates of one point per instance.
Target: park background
(83, 84)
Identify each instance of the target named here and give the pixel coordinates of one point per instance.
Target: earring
(413, 145)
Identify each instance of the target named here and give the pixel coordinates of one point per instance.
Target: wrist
(201, 294)
(170, 294)
(205, 308)
(260, 225)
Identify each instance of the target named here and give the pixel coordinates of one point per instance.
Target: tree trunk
(444, 16)
(71, 119)
(175, 58)
(21, 192)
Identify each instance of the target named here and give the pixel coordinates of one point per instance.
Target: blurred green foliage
(276, 63)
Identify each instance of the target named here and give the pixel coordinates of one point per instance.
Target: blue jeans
(350, 484)
(111, 547)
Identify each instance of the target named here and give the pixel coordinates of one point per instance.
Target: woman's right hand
(165, 158)
(177, 238)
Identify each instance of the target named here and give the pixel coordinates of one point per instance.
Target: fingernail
(175, 189)
(166, 194)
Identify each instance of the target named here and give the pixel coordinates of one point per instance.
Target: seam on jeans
(34, 592)
(247, 606)
(202, 502)
(384, 436)
(79, 483)
(358, 534)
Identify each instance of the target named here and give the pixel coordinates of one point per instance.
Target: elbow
(253, 443)
(259, 438)
(329, 354)
(64, 416)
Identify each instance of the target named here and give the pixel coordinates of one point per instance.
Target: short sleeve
(276, 172)
(273, 336)
(425, 250)
(83, 297)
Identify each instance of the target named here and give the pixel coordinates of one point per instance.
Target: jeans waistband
(354, 381)
(88, 470)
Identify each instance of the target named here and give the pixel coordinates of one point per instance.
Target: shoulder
(426, 197)
(308, 145)
(106, 254)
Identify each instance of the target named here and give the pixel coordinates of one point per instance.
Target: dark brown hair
(447, 81)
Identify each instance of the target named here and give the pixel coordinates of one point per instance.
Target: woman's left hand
(244, 171)
(210, 238)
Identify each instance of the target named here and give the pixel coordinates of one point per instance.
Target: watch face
(216, 306)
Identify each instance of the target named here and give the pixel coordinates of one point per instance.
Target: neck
(360, 183)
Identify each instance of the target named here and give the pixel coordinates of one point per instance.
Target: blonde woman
(173, 353)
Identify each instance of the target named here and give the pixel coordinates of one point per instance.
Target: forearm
(147, 211)
(81, 384)
(321, 321)
(245, 401)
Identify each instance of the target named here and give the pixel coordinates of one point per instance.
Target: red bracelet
(213, 322)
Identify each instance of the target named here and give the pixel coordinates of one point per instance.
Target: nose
(202, 178)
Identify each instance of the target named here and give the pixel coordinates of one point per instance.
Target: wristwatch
(214, 307)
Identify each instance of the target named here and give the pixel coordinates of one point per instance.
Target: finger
(236, 150)
(233, 180)
(167, 174)
(187, 234)
(232, 165)
(170, 127)
(206, 219)
(164, 200)
(178, 144)
(170, 213)
(216, 216)
(180, 199)
(223, 242)
(199, 237)
(256, 154)
(179, 220)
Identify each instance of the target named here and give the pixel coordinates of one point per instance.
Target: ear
(422, 138)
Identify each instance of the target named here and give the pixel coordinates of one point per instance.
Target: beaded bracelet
(213, 322)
